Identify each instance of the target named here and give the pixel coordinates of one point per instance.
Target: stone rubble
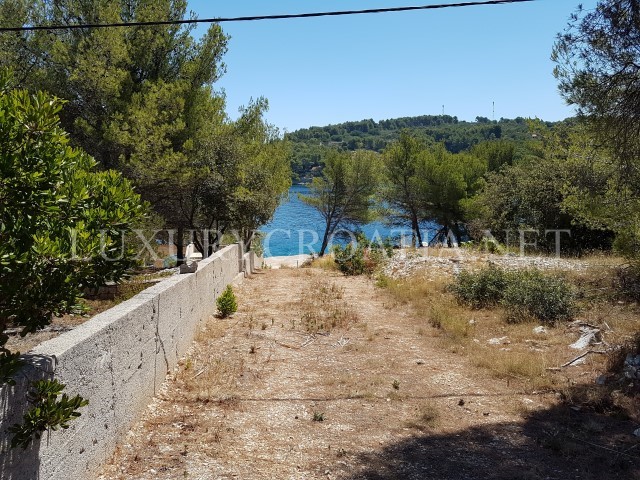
(450, 261)
(588, 336)
(632, 367)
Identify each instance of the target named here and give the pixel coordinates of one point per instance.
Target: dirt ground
(320, 376)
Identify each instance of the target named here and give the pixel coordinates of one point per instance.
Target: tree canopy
(141, 100)
(345, 193)
(598, 68)
(428, 183)
(456, 135)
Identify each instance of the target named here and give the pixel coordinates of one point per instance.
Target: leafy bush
(532, 294)
(363, 257)
(62, 220)
(480, 289)
(525, 294)
(47, 412)
(226, 302)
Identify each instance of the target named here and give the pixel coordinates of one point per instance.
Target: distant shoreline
(288, 261)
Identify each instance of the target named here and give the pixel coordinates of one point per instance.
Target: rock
(189, 267)
(632, 367)
(420, 362)
(461, 402)
(472, 321)
(637, 432)
(601, 380)
(589, 336)
(540, 330)
(499, 341)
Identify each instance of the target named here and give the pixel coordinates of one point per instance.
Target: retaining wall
(117, 360)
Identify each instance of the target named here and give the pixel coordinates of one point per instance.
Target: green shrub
(363, 258)
(525, 294)
(480, 289)
(51, 409)
(533, 294)
(627, 281)
(226, 302)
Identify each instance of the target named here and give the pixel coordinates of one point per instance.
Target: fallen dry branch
(582, 356)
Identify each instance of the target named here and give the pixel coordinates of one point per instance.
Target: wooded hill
(456, 135)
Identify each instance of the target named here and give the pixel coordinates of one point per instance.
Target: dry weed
(427, 417)
(323, 308)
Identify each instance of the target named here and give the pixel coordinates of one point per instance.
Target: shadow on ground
(558, 443)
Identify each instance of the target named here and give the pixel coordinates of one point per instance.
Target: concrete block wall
(117, 360)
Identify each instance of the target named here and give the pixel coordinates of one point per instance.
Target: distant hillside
(368, 134)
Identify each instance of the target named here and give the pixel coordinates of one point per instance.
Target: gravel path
(261, 396)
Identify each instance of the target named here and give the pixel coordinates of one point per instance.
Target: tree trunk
(415, 227)
(200, 244)
(180, 246)
(325, 242)
(248, 239)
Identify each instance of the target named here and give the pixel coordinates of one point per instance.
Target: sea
(297, 229)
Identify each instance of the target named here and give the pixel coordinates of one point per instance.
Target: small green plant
(396, 385)
(468, 245)
(226, 303)
(318, 417)
(362, 256)
(493, 246)
(480, 289)
(47, 412)
(382, 281)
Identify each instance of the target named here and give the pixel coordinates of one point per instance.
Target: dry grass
(523, 357)
(323, 308)
(427, 416)
(325, 263)
(209, 378)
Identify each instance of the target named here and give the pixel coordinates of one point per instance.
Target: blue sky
(328, 70)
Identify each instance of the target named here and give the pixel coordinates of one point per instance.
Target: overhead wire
(27, 28)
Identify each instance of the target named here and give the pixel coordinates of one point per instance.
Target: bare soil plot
(324, 376)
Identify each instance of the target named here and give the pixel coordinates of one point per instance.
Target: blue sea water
(297, 228)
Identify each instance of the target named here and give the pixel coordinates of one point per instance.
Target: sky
(322, 71)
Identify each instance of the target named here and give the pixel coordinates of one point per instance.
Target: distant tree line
(495, 189)
(455, 135)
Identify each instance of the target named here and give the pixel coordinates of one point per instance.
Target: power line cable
(256, 18)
